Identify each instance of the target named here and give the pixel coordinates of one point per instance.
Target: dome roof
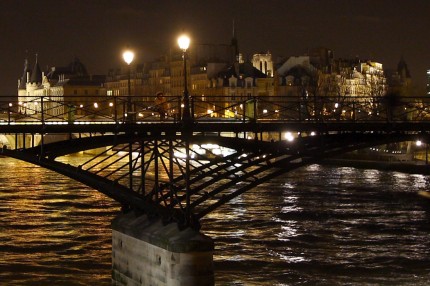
(77, 68)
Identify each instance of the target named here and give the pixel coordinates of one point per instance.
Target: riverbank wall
(410, 167)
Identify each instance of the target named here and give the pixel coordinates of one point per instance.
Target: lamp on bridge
(128, 57)
(184, 43)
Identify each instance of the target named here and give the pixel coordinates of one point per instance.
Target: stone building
(264, 63)
(399, 80)
(62, 90)
(318, 86)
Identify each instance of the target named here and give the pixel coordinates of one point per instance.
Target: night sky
(96, 31)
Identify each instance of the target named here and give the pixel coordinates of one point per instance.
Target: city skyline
(98, 31)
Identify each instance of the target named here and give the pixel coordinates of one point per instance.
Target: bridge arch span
(149, 172)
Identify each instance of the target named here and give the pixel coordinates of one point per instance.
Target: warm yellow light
(184, 42)
(128, 56)
(289, 136)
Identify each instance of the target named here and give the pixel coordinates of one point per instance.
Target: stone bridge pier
(147, 252)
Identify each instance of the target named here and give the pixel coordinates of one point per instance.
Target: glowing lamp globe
(128, 57)
(184, 42)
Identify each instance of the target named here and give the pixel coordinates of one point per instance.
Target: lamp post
(9, 112)
(128, 57)
(184, 43)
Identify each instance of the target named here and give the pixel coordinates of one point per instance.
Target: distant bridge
(181, 170)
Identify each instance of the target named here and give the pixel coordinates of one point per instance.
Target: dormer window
(233, 82)
(249, 82)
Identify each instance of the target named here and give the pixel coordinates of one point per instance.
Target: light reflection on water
(327, 226)
(54, 231)
(315, 226)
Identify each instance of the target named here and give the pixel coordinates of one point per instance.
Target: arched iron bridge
(182, 170)
(183, 174)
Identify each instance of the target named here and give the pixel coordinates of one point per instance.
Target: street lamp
(128, 57)
(184, 43)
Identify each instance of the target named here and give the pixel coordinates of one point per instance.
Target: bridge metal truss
(180, 174)
(167, 168)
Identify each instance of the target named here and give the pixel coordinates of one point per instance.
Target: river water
(317, 225)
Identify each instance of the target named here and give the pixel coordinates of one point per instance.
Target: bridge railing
(295, 109)
(125, 109)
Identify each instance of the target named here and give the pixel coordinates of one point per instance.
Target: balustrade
(113, 109)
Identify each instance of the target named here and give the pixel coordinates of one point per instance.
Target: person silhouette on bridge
(161, 105)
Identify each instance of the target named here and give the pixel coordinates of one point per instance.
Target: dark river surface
(317, 225)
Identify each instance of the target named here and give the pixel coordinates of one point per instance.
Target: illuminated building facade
(116, 83)
(341, 77)
(428, 82)
(303, 79)
(264, 63)
(70, 84)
